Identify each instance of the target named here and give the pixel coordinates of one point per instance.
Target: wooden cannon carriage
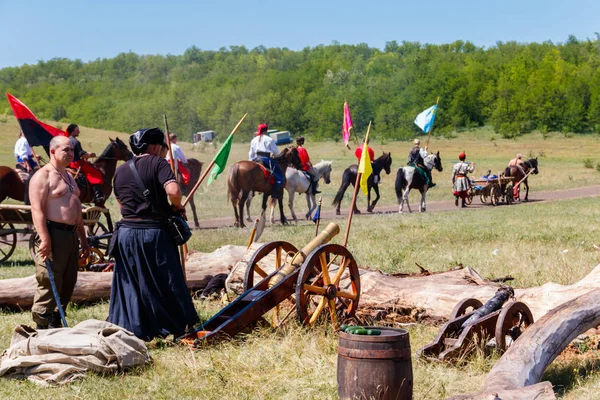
(317, 277)
(500, 327)
(16, 219)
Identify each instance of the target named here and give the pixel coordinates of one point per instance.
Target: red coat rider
(307, 165)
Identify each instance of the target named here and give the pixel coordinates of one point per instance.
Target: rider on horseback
(307, 165)
(262, 150)
(24, 154)
(515, 162)
(93, 175)
(415, 159)
(180, 160)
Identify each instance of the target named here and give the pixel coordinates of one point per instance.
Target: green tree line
(512, 86)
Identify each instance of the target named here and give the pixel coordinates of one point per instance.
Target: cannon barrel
(324, 237)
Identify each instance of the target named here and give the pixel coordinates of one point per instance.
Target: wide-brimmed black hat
(143, 137)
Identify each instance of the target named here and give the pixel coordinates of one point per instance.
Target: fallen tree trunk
(433, 295)
(517, 373)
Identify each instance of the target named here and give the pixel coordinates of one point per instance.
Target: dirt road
(432, 206)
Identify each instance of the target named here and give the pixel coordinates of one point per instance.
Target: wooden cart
(493, 190)
(16, 220)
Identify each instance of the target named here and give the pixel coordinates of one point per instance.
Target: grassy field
(298, 363)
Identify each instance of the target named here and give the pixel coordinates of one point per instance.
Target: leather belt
(60, 226)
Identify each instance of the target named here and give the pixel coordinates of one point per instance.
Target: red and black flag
(36, 132)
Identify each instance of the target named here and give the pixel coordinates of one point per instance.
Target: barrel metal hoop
(374, 354)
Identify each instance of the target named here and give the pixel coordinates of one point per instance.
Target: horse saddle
(268, 174)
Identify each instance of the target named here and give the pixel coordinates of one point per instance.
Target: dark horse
(408, 178)
(517, 173)
(247, 176)
(11, 186)
(384, 162)
(195, 168)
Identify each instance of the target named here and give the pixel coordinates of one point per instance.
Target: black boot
(54, 321)
(315, 187)
(456, 201)
(98, 195)
(464, 203)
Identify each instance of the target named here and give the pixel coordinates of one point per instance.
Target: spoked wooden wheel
(469, 198)
(98, 229)
(318, 284)
(465, 306)
(495, 194)
(96, 257)
(34, 244)
(483, 197)
(8, 240)
(508, 194)
(258, 266)
(512, 321)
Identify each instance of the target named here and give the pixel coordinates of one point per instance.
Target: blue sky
(41, 30)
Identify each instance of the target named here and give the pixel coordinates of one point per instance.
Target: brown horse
(11, 185)
(247, 176)
(518, 173)
(195, 168)
(116, 150)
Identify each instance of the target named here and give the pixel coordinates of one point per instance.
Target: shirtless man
(56, 215)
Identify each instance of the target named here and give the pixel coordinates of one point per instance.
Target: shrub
(588, 163)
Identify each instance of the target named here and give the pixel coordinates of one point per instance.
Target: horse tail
(231, 179)
(400, 183)
(340, 193)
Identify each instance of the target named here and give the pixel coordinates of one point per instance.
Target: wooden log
(94, 286)
(433, 295)
(520, 369)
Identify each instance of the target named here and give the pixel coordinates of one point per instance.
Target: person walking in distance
(57, 217)
(460, 181)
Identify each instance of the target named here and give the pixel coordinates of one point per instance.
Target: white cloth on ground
(59, 356)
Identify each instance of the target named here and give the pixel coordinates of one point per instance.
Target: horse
(297, 182)
(383, 162)
(106, 163)
(407, 178)
(521, 172)
(12, 186)
(195, 168)
(248, 176)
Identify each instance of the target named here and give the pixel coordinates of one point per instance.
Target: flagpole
(183, 250)
(191, 193)
(318, 219)
(168, 140)
(429, 134)
(356, 186)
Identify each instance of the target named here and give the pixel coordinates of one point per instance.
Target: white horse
(407, 178)
(297, 182)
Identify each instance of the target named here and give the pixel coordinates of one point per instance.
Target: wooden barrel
(375, 367)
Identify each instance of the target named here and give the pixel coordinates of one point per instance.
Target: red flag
(36, 132)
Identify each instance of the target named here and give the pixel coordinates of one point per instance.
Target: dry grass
(297, 363)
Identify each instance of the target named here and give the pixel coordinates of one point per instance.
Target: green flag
(221, 159)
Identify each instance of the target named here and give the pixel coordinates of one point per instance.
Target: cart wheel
(34, 244)
(8, 240)
(255, 272)
(463, 307)
(508, 194)
(318, 284)
(495, 194)
(512, 321)
(95, 257)
(469, 198)
(98, 229)
(483, 197)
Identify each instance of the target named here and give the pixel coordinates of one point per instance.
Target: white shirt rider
(262, 143)
(22, 149)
